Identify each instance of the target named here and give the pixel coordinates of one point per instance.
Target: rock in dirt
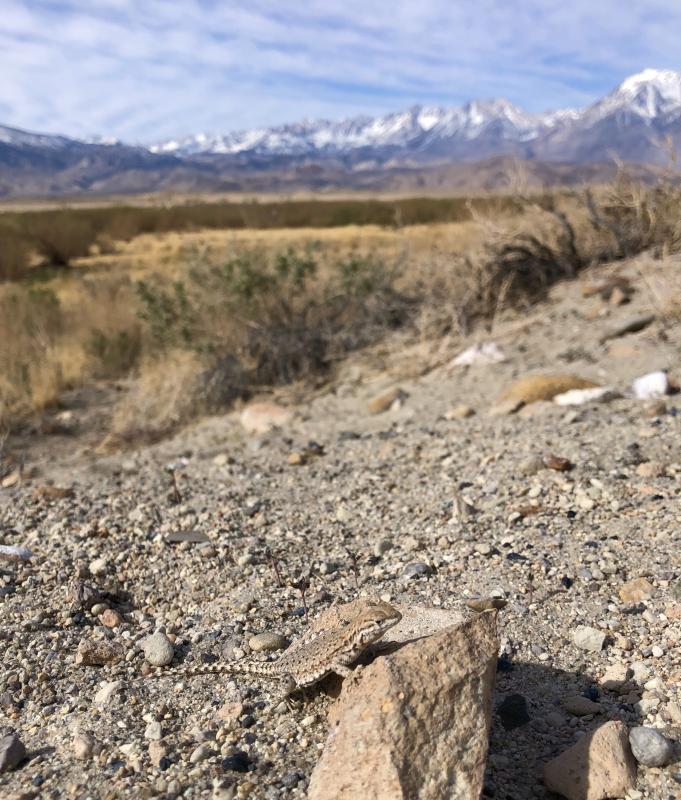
(599, 766)
(107, 691)
(12, 752)
(652, 386)
(578, 397)
(12, 553)
(513, 712)
(460, 412)
(416, 723)
(650, 747)
(636, 590)
(96, 653)
(267, 642)
(263, 417)
(84, 745)
(580, 706)
(484, 353)
(386, 401)
(534, 388)
(587, 638)
(158, 649)
(615, 676)
(631, 325)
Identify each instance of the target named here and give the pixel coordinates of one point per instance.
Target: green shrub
(116, 354)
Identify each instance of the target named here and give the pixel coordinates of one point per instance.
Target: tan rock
(636, 590)
(618, 297)
(416, 722)
(157, 752)
(230, 711)
(580, 706)
(386, 400)
(263, 417)
(651, 469)
(615, 677)
(84, 745)
(599, 766)
(655, 408)
(536, 409)
(534, 388)
(460, 412)
(623, 350)
(96, 653)
(110, 618)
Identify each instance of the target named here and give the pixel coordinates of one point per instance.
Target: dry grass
(83, 323)
(224, 318)
(168, 393)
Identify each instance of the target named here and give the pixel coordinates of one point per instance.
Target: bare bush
(168, 393)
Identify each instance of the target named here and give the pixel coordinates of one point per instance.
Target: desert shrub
(556, 237)
(15, 253)
(264, 319)
(635, 218)
(169, 313)
(115, 353)
(168, 393)
(30, 323)
(61, 237)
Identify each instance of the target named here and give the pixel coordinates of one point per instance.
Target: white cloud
(147, 70)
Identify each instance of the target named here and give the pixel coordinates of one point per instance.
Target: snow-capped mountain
(416, 127)
(640, 121)
(18, 138)
(477, 129)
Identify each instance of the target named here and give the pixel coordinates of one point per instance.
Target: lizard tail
(218, 668)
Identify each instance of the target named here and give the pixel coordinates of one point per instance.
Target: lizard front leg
(342, 670)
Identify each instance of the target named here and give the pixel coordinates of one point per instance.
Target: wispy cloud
(143, 71)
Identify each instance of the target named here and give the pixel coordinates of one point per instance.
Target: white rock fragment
(587, 638)
(153, 731)
(651, 386)
(107, 691)
(484, 353)
(577, 397)
(262, 417)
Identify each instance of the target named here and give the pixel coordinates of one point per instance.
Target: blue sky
(144, 70)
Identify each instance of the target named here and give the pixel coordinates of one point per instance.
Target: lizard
(331, 651)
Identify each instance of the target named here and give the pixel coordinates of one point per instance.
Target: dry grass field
(83, 323)
(199, 316)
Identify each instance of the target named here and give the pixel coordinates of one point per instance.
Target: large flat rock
(416, 723)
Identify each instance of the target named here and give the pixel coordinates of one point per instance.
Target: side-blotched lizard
(330, 651)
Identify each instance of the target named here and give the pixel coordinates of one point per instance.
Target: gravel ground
(380, 494)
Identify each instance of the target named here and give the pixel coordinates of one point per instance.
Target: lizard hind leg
(288, 687)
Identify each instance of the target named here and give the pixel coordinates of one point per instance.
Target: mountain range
(424, 147)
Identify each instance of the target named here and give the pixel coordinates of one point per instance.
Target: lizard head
(373, 621)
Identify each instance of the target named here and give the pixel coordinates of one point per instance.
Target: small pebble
(417, 569)
(12, 752)
(267, 642)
